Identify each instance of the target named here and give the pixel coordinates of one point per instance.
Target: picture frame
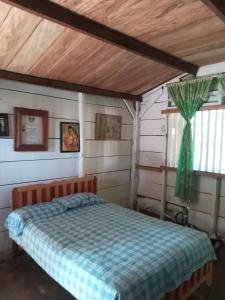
(30, 129)
(4, 125)
(108, 127)
(69, 137)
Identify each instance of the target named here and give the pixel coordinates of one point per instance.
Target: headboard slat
(57, 194)
(64, 189)
(29, 197)
(79, 187)
(31, 194)
(39, 195)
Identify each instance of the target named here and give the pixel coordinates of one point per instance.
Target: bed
(100, 251)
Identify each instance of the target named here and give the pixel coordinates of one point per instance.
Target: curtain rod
(200, 78)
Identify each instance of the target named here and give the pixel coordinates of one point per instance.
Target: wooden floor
(22, 279)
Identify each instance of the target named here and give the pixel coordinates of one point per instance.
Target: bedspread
(105, 252)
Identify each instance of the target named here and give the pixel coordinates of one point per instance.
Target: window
(208, 137)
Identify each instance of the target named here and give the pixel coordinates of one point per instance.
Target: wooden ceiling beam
(217, 6)
(63, 16)
(66, 85)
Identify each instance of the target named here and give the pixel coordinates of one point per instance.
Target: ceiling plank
(61, 15)
(217, 6)
(66, 85)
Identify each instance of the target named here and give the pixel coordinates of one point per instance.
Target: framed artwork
(69, 137)
(30, 129)
(4, 125)
(108, 127)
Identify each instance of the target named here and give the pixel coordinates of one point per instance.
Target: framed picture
(31, 129)
(108, 127)
(4, 125)
(69, 137)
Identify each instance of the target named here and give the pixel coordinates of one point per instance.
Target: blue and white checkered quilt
(105, 252)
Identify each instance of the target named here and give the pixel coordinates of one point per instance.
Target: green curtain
(222, 82)
(188, 98)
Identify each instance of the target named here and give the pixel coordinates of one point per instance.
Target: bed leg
(209, 278)
(209, 281)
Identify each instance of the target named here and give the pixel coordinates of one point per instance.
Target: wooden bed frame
(38, 193)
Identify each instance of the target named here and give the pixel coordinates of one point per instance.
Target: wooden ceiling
(189, 30)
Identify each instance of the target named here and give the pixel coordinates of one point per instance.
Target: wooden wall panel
(103, 101)
(150, 190)
(221, 226)
(150, 182)
(202, 184)
(5, 193)
(202, 202)
(149, 203)
(104, 164)
(3, 214)
(19, 168)
(153, 127)
(107, 148)
(118, 195)
(110, 161)
(222, 199)
(30, 171)
(5, 244)
(7, 153)
(222, 207)
(126, 132)
(152, 159)
(58, 108)
(112, 179)
(150, 177)
(91, 111)
(160, 94)
(154, 112)
(152, 143)
(37, 90)
(150, 186)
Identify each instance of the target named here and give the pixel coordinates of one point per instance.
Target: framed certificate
(31, 129)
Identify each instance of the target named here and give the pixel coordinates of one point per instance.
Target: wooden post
(164, 181)
(135, 152)
(215, 207)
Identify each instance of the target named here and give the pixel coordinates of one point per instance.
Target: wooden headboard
(38, 193)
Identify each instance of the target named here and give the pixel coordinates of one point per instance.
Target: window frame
(171, 110)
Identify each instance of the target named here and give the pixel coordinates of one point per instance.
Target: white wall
(110, 161)
(20, 168)
(153, 132)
